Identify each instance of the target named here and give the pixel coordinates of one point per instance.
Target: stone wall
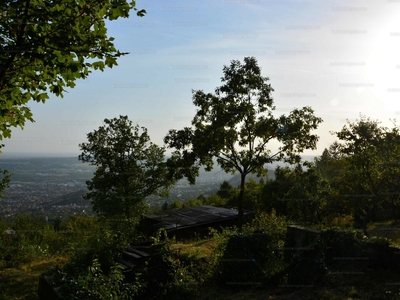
(300, 237)
(376, 254)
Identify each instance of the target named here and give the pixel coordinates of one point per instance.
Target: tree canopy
(129, 168)
(236, 124)
(46, 45)
(372, 155)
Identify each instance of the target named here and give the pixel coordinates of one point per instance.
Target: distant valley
(54, 186)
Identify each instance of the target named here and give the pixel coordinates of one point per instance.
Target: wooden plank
(130, 254)
(134, 250)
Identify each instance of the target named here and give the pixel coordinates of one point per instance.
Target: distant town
(53, 187)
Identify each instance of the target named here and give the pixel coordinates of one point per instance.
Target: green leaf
(56, 49)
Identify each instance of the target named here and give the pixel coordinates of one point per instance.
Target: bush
(175, 204)
(342, 244)
(24, 242)
(172, 275)
(338, 250)
(104, 245)
(253, 256)
(194, 202)
(214, 200)
(160, 273)
(306, 266)
(343, 221)
(96, 285)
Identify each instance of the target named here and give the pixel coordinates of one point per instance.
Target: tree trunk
(240, 200)
(394, 210)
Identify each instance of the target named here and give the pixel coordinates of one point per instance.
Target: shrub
(215, 200)
(253, 256)
(172, 275)
(104, 245)
(25, 242)
(342, 244)
(343, 221)
(337, 250)
(307, 265)
(175, 204)
(96, 285)
(194, 202)
(160, 273)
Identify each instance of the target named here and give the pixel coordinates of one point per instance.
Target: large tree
(46, 45)
(301, 195)
(332, 165)
(235, 125)
(372, 154)
(129, 169)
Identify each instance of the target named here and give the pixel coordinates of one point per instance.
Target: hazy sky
(342, 58)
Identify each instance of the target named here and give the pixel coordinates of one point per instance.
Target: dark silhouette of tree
(235, 125)
(129, 169)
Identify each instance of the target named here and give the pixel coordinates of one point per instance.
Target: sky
(342, 58)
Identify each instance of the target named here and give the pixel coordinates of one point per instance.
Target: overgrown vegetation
(353, 183)
(254, 261)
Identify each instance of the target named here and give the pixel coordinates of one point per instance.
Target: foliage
(4, 180)
(24, 241)
(235, 126)
(129, 169)
(269, 223)
(306, 266)
(96, 285)
(273, 191)
(160, 273)
(214, 200)
(226, 191)
(307, 200)
(300, 195)
(72, 234)
(252, 195)
(30, 238)
(80, 224)
(333, 167)
(194, 202)
(170, 274)
(175, 204)
(192, 271)
(343, 221)
(47, 45)
(380, 240)
(3, 226)
(335, 252)
(22, 282)
(105, 244)
(253, 256)
(343, 243)
(161, 238)
(372, 176)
